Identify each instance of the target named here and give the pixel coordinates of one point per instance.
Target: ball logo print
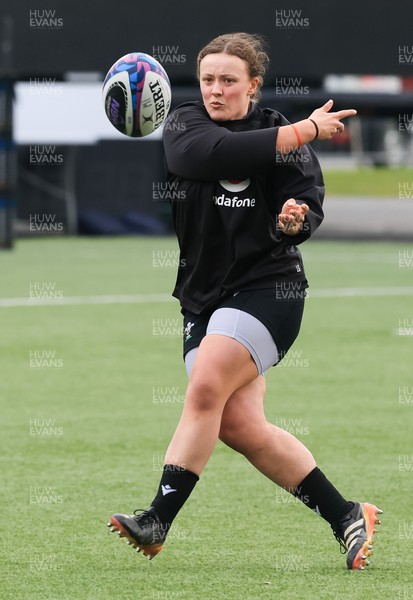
(136, 94)
(234, 185)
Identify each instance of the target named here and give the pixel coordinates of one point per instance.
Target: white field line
(80, 300)
(359, 292)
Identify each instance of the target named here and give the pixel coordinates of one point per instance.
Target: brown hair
(247, 46)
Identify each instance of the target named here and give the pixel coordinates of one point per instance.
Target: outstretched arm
(198, 148)
(321, 124)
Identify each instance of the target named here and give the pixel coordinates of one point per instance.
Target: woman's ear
(253, 86)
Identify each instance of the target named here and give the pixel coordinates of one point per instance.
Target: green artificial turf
(84, 434)
(380, 181)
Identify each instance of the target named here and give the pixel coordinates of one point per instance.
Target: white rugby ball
(136, 94)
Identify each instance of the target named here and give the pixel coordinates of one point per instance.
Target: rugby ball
(136, 94)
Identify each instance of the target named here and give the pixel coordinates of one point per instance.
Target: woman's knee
(231, 434)
(243, 436)
(205, 393)
(243, 430)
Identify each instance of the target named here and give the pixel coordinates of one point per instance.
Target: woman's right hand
(329, 123)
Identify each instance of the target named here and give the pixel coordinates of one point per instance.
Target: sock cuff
(307, 478)
(176, 470)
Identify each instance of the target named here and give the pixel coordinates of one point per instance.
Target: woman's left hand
(291, 217)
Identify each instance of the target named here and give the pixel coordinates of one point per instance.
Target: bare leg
(274, 452)
(222, 366)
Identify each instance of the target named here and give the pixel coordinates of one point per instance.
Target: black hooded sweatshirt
(230, 183)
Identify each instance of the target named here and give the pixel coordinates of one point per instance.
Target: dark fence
(306, 39)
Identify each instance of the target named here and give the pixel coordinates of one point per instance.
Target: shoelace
(343, 547)
(145, 517)
(148, 518)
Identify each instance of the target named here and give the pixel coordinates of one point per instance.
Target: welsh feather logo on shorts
(187, 331)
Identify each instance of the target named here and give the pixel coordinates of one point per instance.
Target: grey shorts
(264, 321)
(247, 330)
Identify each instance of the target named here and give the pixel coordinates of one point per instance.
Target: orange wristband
(297, 135)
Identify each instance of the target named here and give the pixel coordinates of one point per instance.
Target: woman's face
(226, 86)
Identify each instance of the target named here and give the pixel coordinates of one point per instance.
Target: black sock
(174, 489)
(316, 492)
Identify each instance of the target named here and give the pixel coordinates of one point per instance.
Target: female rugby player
(253, 192)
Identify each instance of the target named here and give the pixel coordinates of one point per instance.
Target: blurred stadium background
(61, 160)
(92, 380)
